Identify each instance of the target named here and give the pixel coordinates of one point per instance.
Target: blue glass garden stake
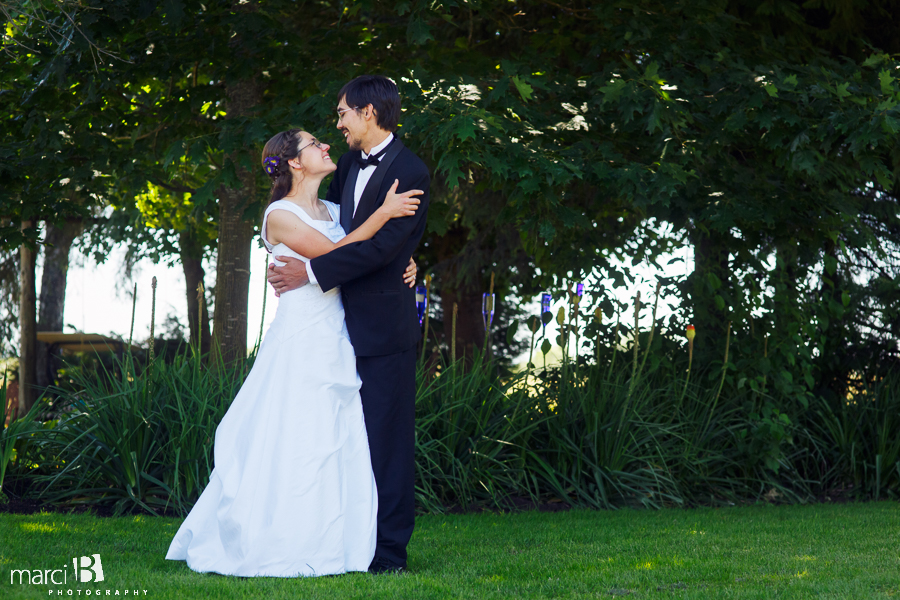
(546, 299)
(487, 310)
(421, 302)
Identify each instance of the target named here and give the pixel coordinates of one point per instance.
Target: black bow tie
(365, 162)
(372, 159)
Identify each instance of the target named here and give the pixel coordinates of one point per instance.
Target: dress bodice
(308, 304)
(331, 229)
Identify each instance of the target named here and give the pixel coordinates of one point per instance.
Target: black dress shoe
(381, 566)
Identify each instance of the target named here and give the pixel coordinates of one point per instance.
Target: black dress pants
(389, 404)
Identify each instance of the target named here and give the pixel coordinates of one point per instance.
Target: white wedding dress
(292, 492)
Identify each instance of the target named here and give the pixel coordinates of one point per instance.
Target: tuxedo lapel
(347, 196)
(370, 194)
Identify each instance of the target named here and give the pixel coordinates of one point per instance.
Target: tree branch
(128, 138)
(171, 187)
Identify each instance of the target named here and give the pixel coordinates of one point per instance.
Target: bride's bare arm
(284, 227)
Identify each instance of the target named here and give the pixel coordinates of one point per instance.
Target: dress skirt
(292, 492)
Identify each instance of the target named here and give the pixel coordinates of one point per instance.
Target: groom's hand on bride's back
(288, 277)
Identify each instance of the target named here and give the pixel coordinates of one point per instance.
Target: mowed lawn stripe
(814, 551)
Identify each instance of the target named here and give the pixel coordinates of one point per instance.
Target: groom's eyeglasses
(341, 111)
(315, 143)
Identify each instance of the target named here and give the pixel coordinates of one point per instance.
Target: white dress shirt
(361, 181)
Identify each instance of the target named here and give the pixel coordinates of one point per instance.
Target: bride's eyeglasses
(314, 142)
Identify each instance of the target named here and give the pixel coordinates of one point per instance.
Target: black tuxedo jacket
(380, 309)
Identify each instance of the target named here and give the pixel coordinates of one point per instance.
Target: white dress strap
(291, 208)
(334, 210)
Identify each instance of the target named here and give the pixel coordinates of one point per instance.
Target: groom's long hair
(284, 146)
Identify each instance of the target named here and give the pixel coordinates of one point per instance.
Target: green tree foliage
(762, 134)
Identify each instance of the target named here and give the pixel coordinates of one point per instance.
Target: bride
(292, 492)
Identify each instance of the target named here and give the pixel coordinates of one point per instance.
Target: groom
(380, 309)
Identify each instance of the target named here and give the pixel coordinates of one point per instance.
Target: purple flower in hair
(271, 164)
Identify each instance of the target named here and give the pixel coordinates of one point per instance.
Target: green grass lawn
(820, 551)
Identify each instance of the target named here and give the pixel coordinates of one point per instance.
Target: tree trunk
(834, 364)
(710, 280)
(786, 299)
(465, 293)
(469, 320)
(53, 295)
(235, 235)
(27, 328)
(198, 312)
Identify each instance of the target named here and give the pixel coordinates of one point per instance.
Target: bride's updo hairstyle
(276, 154)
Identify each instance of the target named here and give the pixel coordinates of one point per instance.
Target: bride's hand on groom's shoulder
(400, 205)
(290, 276)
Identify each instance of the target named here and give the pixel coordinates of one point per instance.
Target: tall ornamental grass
(143, 441)
(856, 443)
(600, 436)
(598, 439)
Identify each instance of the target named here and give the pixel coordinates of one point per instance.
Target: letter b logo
(91, 569)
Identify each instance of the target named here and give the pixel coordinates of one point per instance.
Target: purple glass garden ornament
(579, 290)
(421, 301)
(546, 299)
